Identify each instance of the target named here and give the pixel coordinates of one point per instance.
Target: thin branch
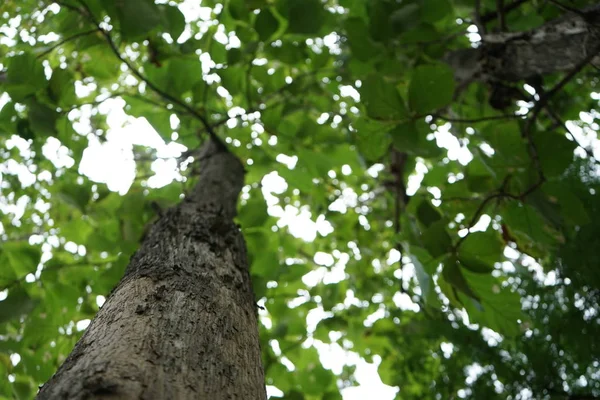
(208, 128)
(249, 79)
(209, 51)
(493, 15)
(545, 97)
(475, 120)
(85, 262)
(567, 8)
(462, 30)
(68, 6)
(61, 42)
(501, 193)
(480, 24)
(558, 121)
(115, 95)
(500, 12)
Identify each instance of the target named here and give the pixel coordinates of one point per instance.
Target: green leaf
(406, 18)
(382, 100)
(316, 162)
(297, 177)
(233, 79)
(498, 309)
(77, 230)
(266, 24)
(24, 76)
(289, 52)
(555, 152)
(315, 379)
(454, 275)
(173, 20)
(137, 17)
(108, 69)
(184, 73)
(266, 265)
(425, 267)
(238, 10)
(434, 10)
(380, 27)
(363, 48)
(411, 137)
(436, 239)
(62, 88)
(8, 119)
(509, 146)
(17, 303)
(73, 194)
(427, 214)
(305, 16)
(22, 257)
(254, 212)
(157, 116)
(571, 206)
(372, 139)
(530, 227)
(481, 250)
(431, 87)
(42, 119)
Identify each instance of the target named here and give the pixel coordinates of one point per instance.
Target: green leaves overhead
(373, 162)
(431, 87)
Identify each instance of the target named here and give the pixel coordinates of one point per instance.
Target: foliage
(491, 254)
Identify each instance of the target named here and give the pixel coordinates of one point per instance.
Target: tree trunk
(559, 45)
(182, 323)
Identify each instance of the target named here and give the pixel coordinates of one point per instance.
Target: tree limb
(87, 12)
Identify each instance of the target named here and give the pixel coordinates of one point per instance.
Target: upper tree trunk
(558, 45)
(182, 322)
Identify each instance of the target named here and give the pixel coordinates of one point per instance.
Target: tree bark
(182, 323)
(559, 45)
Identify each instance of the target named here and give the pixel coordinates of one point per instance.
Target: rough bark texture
(560, 45)
(182, 322)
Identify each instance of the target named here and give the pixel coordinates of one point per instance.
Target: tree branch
(61, 42)
(475, 120)
(493, 15)
(480, 24)
(87, 12)
(500, 12)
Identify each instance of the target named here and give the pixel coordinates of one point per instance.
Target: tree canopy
(421, 180)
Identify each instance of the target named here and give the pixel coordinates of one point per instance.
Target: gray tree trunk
(182, 323)
(559, 45)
